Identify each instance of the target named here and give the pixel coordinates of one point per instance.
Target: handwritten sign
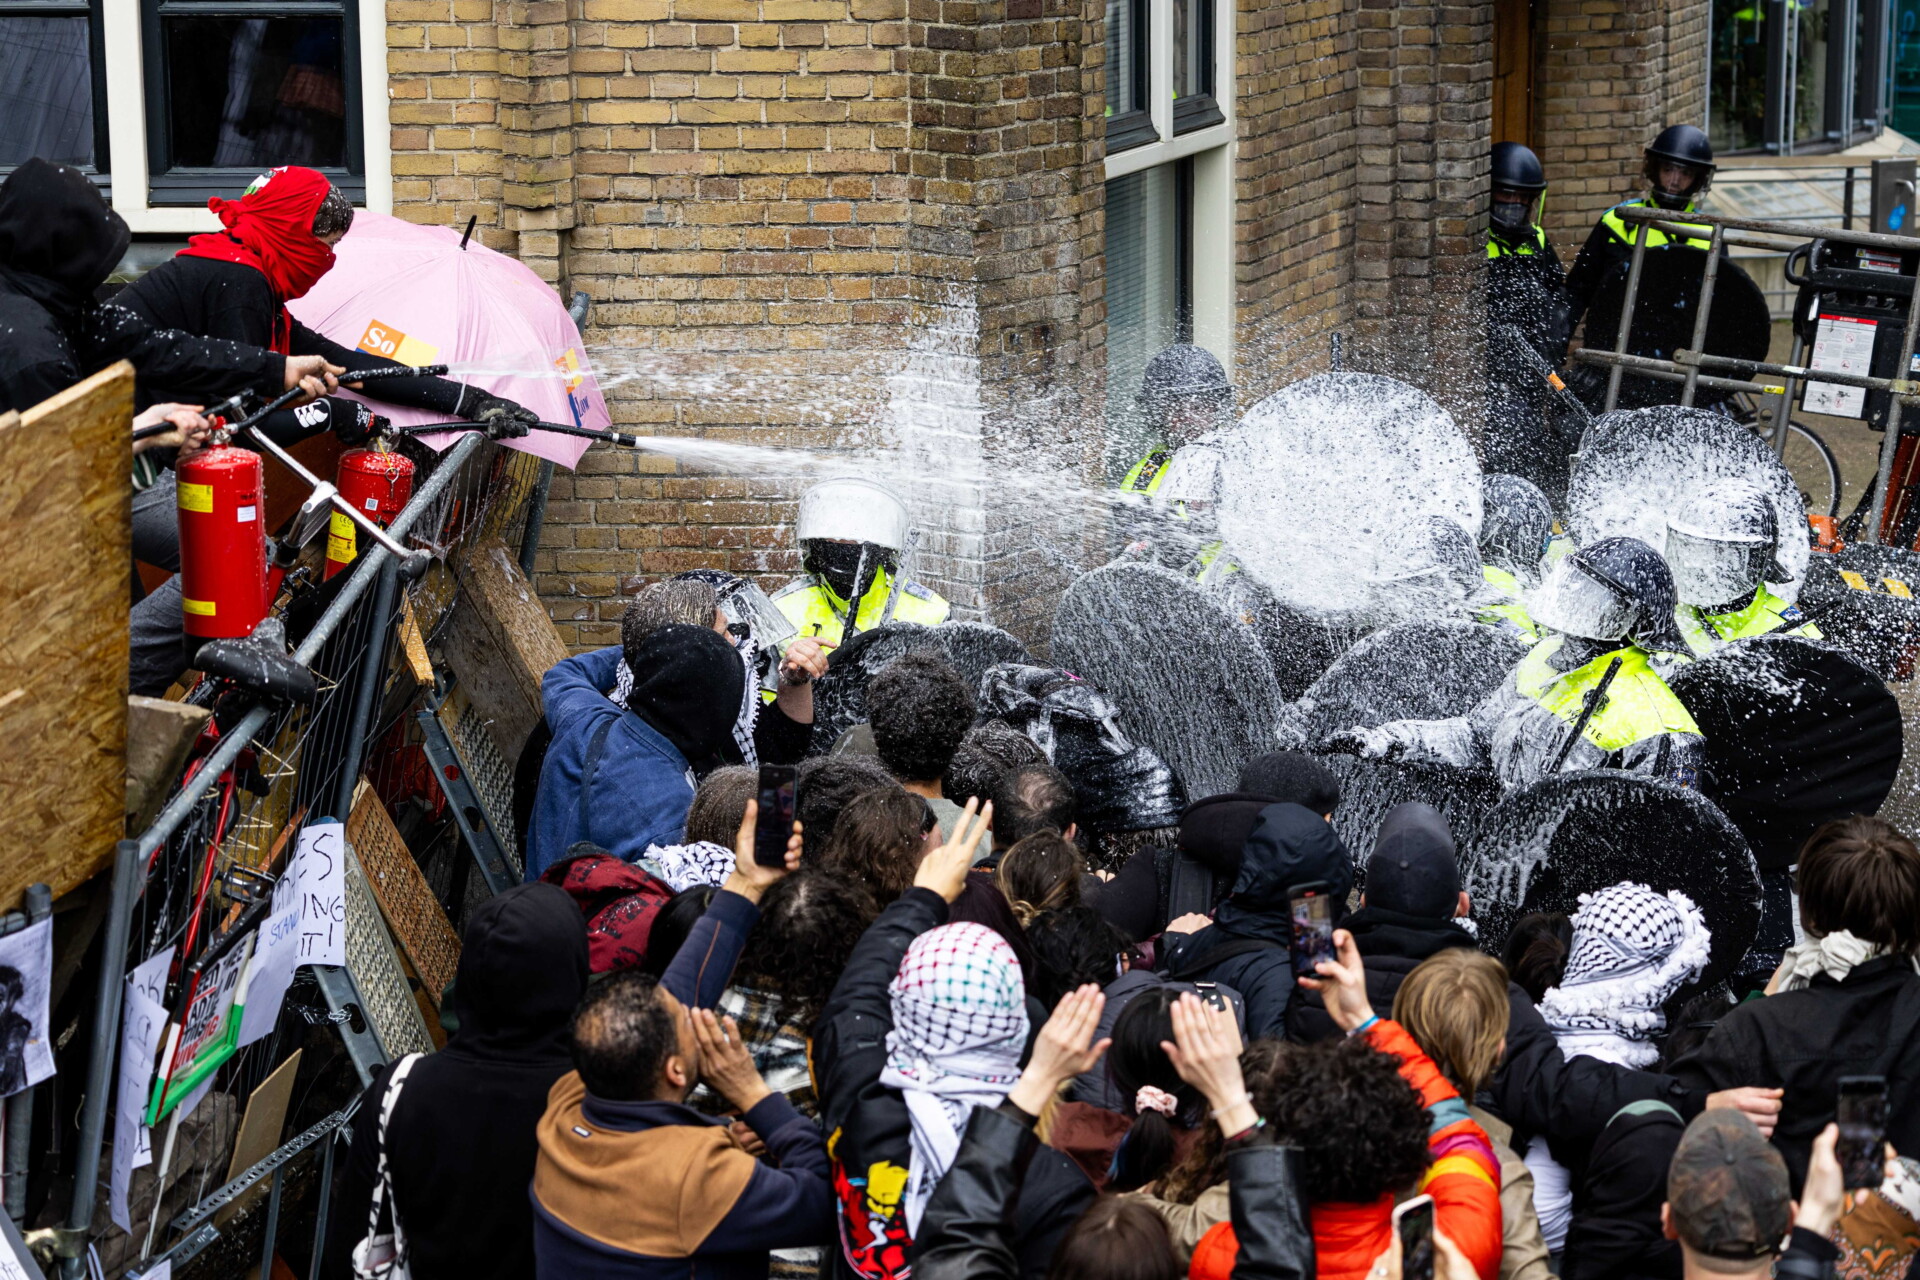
(142, 1019)
(317, 881)
(275, 956)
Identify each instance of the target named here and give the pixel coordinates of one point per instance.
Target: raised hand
(944, 870)
(1063, 1049)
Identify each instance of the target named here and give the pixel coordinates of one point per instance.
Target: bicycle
(1808, 458)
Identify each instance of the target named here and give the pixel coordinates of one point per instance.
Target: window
(197, 97)
(1149, 272)
(1162, 54)
(1797, 75)
(52, 98)
(1128, 120)
(1193, 66)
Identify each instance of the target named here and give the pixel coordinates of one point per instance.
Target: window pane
(1906, 66)
(1810, 72)
(256, 92)
(1126, 32)
(1737, 120)
(1144, 275)
(1192, 48)
(46, 90)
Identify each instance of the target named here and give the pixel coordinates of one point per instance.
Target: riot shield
(1412, 671)
(1798, 734)
(1318, 474)
(1637, 467)
(1191, 680)
(1540, 848)
(1739, 326)
(973, 647)
(840, 696)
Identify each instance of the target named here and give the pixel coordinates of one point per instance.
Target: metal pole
(373, 671)
(20, 1105)
(1783, 403)
(1709, 275)
(322, 1213)
(269, 1237)
(1626, 317)
(127, 866)
(1846, 215)
(1891, 444)
(536, 519)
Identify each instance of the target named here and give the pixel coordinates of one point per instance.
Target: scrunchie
(1150, 1098)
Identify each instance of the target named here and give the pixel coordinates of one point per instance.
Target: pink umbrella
(413, 294)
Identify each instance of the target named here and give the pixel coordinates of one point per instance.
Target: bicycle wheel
(1811, 464)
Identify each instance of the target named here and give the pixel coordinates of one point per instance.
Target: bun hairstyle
(1041, 873)
(1159, 1101)
(1536, 951)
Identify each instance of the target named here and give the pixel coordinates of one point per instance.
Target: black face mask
(1509, 219)
(836, 563)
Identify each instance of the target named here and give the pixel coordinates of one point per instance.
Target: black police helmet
(1516, 168)
(1515, 522)
(1639, 575)
(1681, 144)
(1183, 372)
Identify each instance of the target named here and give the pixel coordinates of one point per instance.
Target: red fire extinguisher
(375, 481)
(226, 582)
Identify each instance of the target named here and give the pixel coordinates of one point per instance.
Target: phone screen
(1312, 928)
(1862, 1118)
(774, 826)
(1414, 1221)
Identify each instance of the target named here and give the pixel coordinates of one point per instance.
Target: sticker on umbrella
(413, 294)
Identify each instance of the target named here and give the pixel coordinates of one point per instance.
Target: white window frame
(1212, 150)
(127, 121)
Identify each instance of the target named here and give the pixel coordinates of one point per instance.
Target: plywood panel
(418, 921)
(499, 643)
(65, 491)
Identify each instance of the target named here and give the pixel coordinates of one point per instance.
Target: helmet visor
(1709, 571)
(1574, 604)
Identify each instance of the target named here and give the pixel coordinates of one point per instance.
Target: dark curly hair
(809, 923)
(824, 786)
(920, 709)
(622, 1037)
(1072, 947)
(988, 753)
(1360, 1127)
(879, 841)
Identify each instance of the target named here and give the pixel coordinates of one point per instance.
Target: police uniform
(1527, 291)
(1765, 614)
(1611, 242)
(814, 610)
(1518, 730)
(1506, 612)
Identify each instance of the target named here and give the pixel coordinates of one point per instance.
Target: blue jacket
(640, 786)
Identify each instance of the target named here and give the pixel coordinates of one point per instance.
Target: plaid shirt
(779, 1050)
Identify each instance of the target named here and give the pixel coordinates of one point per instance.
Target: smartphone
(1312, 926)
(774, 827)
(1862, 1117)
(1413, 1223)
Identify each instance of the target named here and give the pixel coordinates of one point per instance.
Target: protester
(1291, 777)
(623, 779)
(1043, 872)
(1157, 1115)
(1073, 946)
(673, 924)
(880, 840)
(990, 751)
(460, 1145)
(1536, 951)
(822, 789)
(1246, 946)
(1846, 1001)
(1729, 1206)
(920, 709)
(1031, 799)
(630, 1181)
(706, 856)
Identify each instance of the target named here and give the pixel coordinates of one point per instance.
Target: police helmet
(1516, 522)
(1724, 542)
(1616, 589)
(1435, 550)
(1680, 144)
(1181, 373)
(849, 529)
(1516, 168)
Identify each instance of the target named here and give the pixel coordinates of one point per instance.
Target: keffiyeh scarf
(1632, 949)
(749, 700)
(959, 1025)
(686, 865)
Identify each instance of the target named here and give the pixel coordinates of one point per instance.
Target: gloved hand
(505, 420)
(359, 426)
(1368, 744)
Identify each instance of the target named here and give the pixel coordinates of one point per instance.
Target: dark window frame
(101, 170)
(1870, 70)
(1201, 110)
(171, 185)
(1130, 125)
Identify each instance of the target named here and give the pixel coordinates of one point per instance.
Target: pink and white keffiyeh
(959, 1025)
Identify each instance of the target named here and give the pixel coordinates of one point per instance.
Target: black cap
(1414, 869)
(1291, 777)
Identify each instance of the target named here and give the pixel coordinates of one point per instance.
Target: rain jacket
(1517, 731)
(461, 1143)
(1609, 244)
(814, 610)
(868, 1131)
(1765, 614)
(963, 1235)
(1248, 945)
(58, 243)
(1463, 1179)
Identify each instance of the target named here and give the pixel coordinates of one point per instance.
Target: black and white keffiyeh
(743, 723)
(1632, 949)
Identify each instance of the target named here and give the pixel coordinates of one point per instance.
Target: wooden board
(159, 735)
(260, 1129)
(65, 486)
(499, 642)
(418, 921)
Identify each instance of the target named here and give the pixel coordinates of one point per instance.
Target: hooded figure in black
(58, 242)
(461, 1143)
(1247, 946)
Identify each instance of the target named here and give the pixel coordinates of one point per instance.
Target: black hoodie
(58, 242)
(462, 1140)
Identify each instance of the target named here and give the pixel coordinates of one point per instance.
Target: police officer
(1516, 527)
(1679, 170)
(1184, 395)
(1723, 549)
(1431, 569)
(852, 534)
(1609, 602)
(1526, 301)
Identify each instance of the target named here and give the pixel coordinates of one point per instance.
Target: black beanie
(687, 684)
